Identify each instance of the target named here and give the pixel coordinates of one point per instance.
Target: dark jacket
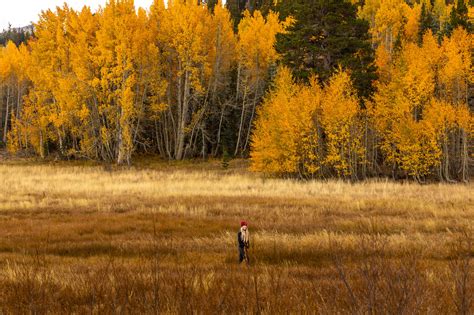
(241, 242)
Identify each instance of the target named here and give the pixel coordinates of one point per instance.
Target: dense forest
(305, 88)
(18, 35)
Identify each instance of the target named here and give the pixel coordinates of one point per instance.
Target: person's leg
(241, 254)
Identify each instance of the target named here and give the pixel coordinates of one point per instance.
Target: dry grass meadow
(162, 239)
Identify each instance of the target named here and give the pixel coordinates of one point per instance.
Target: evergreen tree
(210, 4)
(327, 34)
(16, 35)
(459, 17)
(427, 22)
(236, 8)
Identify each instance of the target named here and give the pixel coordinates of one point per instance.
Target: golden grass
(77, 238)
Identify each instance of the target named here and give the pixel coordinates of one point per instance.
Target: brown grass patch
(162, 238)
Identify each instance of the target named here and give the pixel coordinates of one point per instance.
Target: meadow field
(161, 238)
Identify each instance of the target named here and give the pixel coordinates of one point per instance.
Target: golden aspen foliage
(456, 72)
(48, 69)
(393, 21)
(383, 61)
(83, 28)
(412, 24)
(389, 22)
(123, 74)
(399, 105)
(285, 137)
(311, 146)
(442, 9)
(417, 146)
(183, 29)
(442, 117)
(90, 81)
(369, 10)
(418, 77)
(340, 121)
(222, 52)
(13, 84)
(432, 51)
(256, 45)
(288, 137)
(256, 52)
(418, 104)
(180, 81)
(185, 34)
(273, 144)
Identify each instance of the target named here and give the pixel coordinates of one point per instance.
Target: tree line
(417, 122)
(315, 88)
(177, 81)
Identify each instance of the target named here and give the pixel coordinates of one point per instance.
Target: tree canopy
(327, 34)
(315, 89)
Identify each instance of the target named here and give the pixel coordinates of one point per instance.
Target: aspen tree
(389, 22)
(419, 106)
(223, 59)
(441, 116)
(256, 54)
(285, 138)
(126, 71)
(340, 121)
(49, 64)
(307, 130)
(83, 28)
(456, 71)
(183, 29)
(10, 79)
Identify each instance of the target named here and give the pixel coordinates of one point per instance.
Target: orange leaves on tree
(291, 122)
(256, 45)
(421, 102)
(340, 121)
(285, 135)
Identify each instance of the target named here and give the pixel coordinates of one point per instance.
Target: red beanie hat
(243, 223)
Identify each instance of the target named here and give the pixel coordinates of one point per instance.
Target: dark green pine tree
(327, 35)
(263, 5)
(211, 4)
(237, 7)
(18, 36)
(459, 17)
(427, 22)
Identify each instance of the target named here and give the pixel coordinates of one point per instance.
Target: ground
(161, 237)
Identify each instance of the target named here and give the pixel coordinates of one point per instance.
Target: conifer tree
(459, 17)
(427, 22)
(327, 34)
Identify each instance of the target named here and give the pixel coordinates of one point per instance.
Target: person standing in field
(244, 242)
